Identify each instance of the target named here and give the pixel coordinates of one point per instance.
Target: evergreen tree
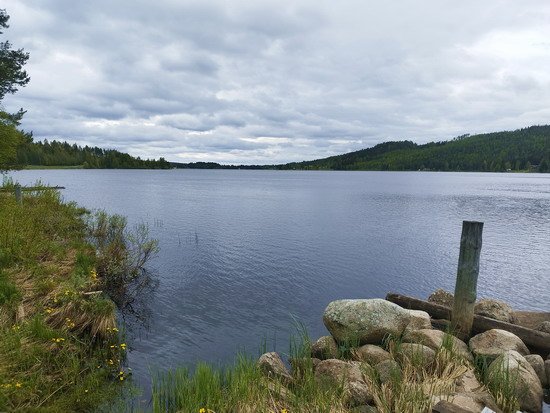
(12, 76)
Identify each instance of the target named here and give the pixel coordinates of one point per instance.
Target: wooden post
(18, 194)
(462, 316)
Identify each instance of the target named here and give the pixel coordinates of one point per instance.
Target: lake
(245, 255)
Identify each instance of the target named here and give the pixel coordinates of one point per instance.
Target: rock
(371, 354)
(537, 363)
(279, 392)
(442, 297)
(522, 377)
(325, 348)
(388, 370)
(299, 365)
(434, 339)
(492, 343)
(547, 368)
(273, 367)
(365, 321)
(464, 403)
(365, 408)
(349, 376)
(419, 320)
(467, 383)
(544, 327)
(417, 354)
(494, 309)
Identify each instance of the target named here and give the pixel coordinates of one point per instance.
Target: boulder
(273, 367)
(547, 368)
(492, 343)
(387, 370)
(537, 363)
(512, 366)
(300, 365)
(325, 348)
(544, 327)
(494, 309)
(349, 376)
(365, 408)
(365, 321)
(370, 354)
(467, 383)
(419, 320)
(417, 354)
(435, 339)
(473, 402)
(442, 297)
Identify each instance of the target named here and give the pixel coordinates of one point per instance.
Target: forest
(57, 153)
(526, 149)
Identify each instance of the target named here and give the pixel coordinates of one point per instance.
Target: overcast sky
(276, 81)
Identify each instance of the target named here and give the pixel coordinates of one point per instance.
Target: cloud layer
(277, 81)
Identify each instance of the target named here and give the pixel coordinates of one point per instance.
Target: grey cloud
(215, 80)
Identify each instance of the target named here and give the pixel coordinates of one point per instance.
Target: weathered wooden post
(462, 316)
(18, 194)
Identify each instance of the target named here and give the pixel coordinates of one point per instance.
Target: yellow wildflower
(93, 274)
(123, 346)
(111, 362)
(48, 310)
(18, 384)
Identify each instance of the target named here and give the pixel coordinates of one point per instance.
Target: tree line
(57, 153)
(526, 149)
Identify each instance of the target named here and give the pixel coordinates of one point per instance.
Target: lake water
(244, 253)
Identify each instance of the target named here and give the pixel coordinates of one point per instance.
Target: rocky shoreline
(382, 354)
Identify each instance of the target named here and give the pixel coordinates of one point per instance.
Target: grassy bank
(60, 348)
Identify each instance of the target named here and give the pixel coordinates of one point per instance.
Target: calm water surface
(243, 253)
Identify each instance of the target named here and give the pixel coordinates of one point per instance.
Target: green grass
(59, 346)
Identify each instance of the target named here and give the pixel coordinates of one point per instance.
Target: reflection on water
(243, 252)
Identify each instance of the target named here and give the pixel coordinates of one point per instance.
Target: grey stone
(365, 408)
(365, 321)
(467, 383)
(547, 368)
(492, 343)
(524, 379)
(388, 370)
(325, 348)
(419, 320)
(494, 309)
(537, 363)
(442, 297)
(434, 339)
(544, 327)
(417, 354)
(273, 367)
(349, 376)
(299, 365)
(370, 354)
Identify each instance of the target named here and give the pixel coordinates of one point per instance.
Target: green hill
(520, 150)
